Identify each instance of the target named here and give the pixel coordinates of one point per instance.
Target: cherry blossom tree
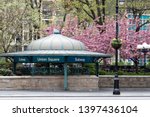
(101, 42)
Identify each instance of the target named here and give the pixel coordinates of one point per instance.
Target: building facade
(143, 20)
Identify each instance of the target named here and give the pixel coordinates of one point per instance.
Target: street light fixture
(144, 48)
(121, 2)
(117, 41)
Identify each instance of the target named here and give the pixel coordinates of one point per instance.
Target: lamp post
(116, 44)
(144, 48)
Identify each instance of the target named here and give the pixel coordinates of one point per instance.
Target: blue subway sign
(43, 59)
(80, 59)
(54, 59)
(22, 59)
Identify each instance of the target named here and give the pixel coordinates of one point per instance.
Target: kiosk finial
(56, 31)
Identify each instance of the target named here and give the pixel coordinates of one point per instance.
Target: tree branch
(82, 2)
(88, 14)
(138, 28)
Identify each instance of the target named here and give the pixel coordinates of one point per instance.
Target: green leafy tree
(87, 10)
(13, 14)
(138, 8)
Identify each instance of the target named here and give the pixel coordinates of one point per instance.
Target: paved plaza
(129, 93)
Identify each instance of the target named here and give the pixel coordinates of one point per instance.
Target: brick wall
(75, 83)
(52, 83)
(125, 81)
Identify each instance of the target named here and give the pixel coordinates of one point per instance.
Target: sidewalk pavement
(106, 93)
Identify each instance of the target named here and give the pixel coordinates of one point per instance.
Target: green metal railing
(55, 71)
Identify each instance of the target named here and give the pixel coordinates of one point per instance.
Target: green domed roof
(57, 45)
(56, 41)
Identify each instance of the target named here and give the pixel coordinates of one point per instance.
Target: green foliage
(13, 13)
(91, 67)
(5, 72)
(5, 65)
(102, 72)
(88, 11)
(122, 63)
(119, 63)
(92, 70)
(148, 64)
(138, 4)
(5, 68)
(120, 72)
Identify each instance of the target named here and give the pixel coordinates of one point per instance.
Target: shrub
(5, 65)
(102, 72)
(120, 72)
(5, 72)
(91, 67)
